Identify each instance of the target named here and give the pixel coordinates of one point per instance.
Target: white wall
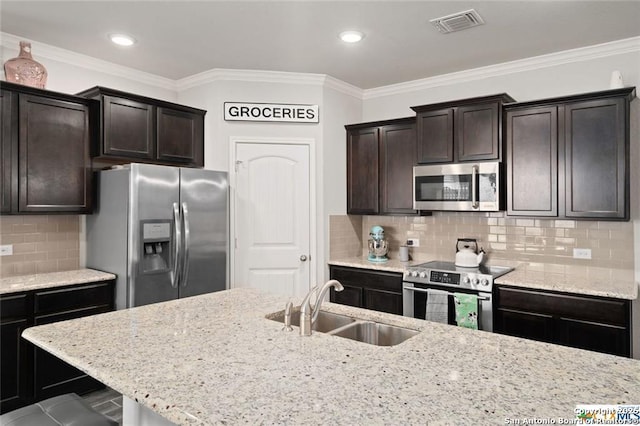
(336, 109)
(211, 97)
(552, 81)
(339, 109)
(72, 73)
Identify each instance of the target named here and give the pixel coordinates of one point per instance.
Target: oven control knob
(474, 281)
(465, 280)
(414, 273)
(484, 281)
(423, 274)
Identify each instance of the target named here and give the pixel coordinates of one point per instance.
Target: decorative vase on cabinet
(25, 70)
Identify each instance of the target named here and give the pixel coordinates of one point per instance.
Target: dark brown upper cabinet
(463, 130)
(141, 129)
(6, 151)
(380, 159)
(532, 161)
(569, 157)
(45, 147)
(127, 128)
(174, 128)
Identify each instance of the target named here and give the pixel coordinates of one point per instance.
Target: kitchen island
(217, 359)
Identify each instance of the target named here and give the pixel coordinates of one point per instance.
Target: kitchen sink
(370, 332)
(326, 321)
(375, 333)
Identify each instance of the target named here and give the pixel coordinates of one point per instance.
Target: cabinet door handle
(303, 257)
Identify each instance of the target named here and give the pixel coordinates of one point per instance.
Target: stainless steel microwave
(458, 187)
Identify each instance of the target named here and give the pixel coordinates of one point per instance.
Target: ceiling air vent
(457, 21)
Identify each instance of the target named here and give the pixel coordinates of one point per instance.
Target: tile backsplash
(502, 237)
(40, 244)
(345, 236)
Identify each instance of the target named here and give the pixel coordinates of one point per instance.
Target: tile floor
(107, 402)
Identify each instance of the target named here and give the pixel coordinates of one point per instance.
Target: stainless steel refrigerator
(162, 230)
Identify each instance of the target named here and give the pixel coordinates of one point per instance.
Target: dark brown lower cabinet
(375, 290)
(15, 356)
(383, 301)
(28, 373)
(526, 324)
(587, 322)
(351, 296)
(53, 376)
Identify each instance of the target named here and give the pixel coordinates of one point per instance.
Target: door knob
(303, 257)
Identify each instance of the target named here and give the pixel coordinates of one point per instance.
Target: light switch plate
(581, 253)
(413, 242)
(6, 250)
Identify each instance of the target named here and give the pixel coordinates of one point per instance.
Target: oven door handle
(420, 290)
(424, 290)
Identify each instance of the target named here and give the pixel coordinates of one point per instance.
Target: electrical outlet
(581, 253)
(6, 250)
(413, 242)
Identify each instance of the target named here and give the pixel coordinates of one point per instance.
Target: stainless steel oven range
(447, 277)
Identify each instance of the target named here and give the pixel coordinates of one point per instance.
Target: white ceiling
(181, 38)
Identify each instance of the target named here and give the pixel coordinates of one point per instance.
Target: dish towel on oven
(437, 306)
(466, 310)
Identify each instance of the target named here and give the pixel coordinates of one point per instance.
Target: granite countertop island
(216, 359)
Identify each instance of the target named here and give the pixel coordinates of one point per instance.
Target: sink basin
(347, 327)
(375, 333)
(327, 321)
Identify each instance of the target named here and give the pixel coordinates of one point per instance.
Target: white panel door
(272, 208)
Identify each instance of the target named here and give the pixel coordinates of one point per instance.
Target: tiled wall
(525, 240)
(40, 244)
(345, 236)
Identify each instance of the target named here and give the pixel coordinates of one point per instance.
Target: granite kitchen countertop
(216, 359)
(594, 281)
(52, 279)
(391, 265)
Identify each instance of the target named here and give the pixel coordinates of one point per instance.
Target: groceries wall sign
(292, 113)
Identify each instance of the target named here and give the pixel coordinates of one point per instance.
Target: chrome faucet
(309, 315)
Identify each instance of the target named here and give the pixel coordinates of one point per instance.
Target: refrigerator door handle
(185, 253)
(177, 242)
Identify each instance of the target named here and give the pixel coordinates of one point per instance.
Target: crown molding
(53, 53)
(617, 47)
(50, 52)
(222, 74)
(343, 87)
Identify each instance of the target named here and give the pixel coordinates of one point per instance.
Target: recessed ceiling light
(122, 39)
(351, 36)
